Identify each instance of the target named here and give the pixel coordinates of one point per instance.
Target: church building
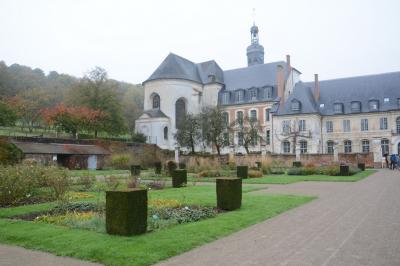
(355, 114)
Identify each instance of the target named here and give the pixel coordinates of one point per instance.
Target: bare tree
(292, 132)
(248, 130)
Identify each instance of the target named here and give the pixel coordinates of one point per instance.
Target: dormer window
(156, 101)
(225, 98)
(268, 92)
(386, 100)
(239, 96)
(253, 94)
(355, 107)
(373, 105)
(338, 108)
(295, 106)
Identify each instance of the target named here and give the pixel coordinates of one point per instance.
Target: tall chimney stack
(280, 82)
(316, 87)
(288, 61)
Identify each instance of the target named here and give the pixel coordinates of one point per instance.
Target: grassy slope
(152, 247)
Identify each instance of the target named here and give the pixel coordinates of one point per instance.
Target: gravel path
(350, 224)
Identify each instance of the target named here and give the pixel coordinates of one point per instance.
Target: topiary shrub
(344, 170)
(171, 167)
(229, 193)
(255, 174)
(361, 166)
(126, 212)
(135, 170)
(9, 153)
(297, 164)
(179, 178)
(157, 168)
(242, 171)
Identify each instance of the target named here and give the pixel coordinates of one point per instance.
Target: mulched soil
(29, 216)
(28, 201)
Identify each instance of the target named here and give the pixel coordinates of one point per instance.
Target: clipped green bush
(126, 212)
(297, 164)
(229, 193)
(361, 166)
(179, 178)
(344, 170)
(135, 170)
(242, 171)
(9, 153)
(255, 174)
(157, 168)
(171, 166)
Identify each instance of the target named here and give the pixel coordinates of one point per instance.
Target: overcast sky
(130, 39)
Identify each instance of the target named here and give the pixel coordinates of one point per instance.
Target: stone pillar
(377, 150)
(335, 152)
(263, 150)
(177, 154)
(231, 153)
(297, 152)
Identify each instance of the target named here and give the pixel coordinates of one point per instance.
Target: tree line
(211, 128)
(30, 99)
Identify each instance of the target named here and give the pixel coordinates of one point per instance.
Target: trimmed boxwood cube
(135, 170)
(344, 170)
(126, 212)
(297, 164)
(179, 178)
(229, 193)
(361, 166)
(242, 171)
(157, 168)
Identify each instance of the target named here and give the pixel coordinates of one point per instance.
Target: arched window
(239, 117)
(365, 145)
(329, 146)
(385, 146)
(398, 125)
(166, 133)
(225, 118)
(347, 146)
(303, 146)
(180, 112)
(156, 101)
(286, 146)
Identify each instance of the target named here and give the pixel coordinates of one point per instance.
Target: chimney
(280, 82)
(316, 87)
(288, 61)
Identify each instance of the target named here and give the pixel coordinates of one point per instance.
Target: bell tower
(255, 51)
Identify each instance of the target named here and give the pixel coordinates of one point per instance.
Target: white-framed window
(268, 92)
(239, 96)
(295, 106)
(226, 139)
(239, 117)
(165, 133)
(254, 138)
(385, 146)
(364, 124)
(398, 125)
(338, 108)
(329, 146)
(302, 125)
(225, 98)
(286, 146)
(267, 113)
(329, 126)
(286, 126)
(347, 146)
(268, 137)
(346, 125)
(383, 123)
(156, 101)
(253, 94)
(253, 114)
(373, 105)
(303, 146)
(355, 107)
(365, 145)
(385, 100)
(225, 118)
(240, 138)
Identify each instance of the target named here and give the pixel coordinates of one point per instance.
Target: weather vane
(254, 16)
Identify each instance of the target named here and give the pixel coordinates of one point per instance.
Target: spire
(255, 51)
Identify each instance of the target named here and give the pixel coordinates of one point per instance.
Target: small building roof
(57, 148)
(154, 113)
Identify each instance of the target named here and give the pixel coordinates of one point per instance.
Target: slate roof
(304, 95)
(57, 148)
(154, 113)
(347, 90)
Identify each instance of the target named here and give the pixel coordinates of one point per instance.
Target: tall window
(254, 138)
(239, 117)
(180, 112)
(239, 96)
(268, 137)
(267, 114)
(302, 125)
(156, 101)
(347, 146)
(226, 139)
(253, 94)
(253, 114)
(385, 146)
(240, 138)
(398, 125)
(303, 146)
(225, 118)
(355, 107)
(364, 124)
(329, 146)
(338, 108)
(383, 123)
(225, 98)
(268, 92)
(365, 145)
(329, 126)
(346, 126)
(165, 133)
(286, 126)
(286, 146)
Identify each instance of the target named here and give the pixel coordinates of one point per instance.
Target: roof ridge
(257, 65)
(354, 77)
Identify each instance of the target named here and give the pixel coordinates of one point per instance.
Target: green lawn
(78, 173)
(288, 179)
(149, 248)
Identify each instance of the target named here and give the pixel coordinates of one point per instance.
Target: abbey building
(354, 114)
